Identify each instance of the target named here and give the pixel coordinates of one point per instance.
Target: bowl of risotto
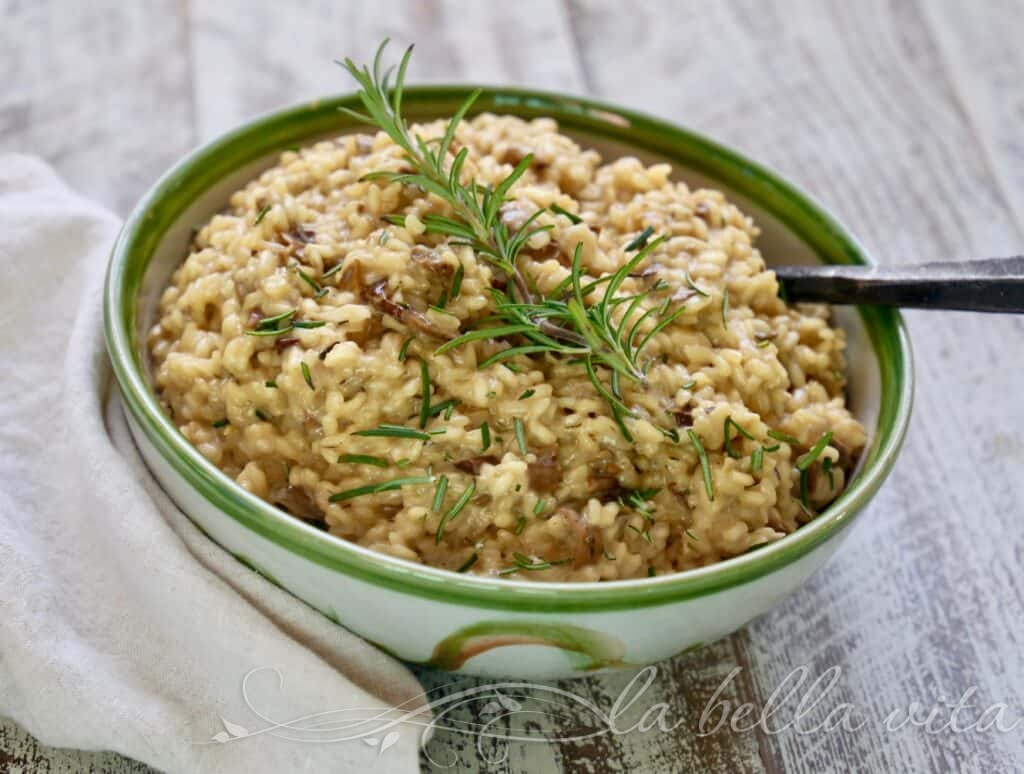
(543, 414)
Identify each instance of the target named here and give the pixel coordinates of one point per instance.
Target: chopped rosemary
(261, 214)
(318, 291)
(572, 216)
(725, 306)
(694, 538)
(641, 240)
(485, 436)
(395, 220)
(826, 466)
(468, 563)
(527, 394)
(444, 407)
(383, 486)
(393, 431)
(403, 351)
(221, 423)
(261, 415)
(439, 493)
(403, 463)
(332, 271)
(651, 572)
(424, 394)
(757, 459)
(307, 324)
(705, 465)
(730, 422)
(780, 436)
(805, 461)
(306, 375)
(539, 507)
(454, 510)
(270, 323)
(693, 286)
(523, 562)
(271, 384)
(644, 533)
(456, 287)
(363, 459)
(520, 435)
(520, 526)
(689, 385)
(269, 332)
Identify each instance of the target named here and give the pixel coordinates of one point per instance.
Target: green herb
(306, 375)
(271, 384)
(563, 326)
(221, 423)
(725, 306)
(444, 407)
(454, 510)
(513, 367)
(403, 351)
(757, 459)
(826, 466)
(779, 436)
(332, 271)
(457, 282)
(261, 415)
(439, 431)
(468, 563)
(393, 431)
(690, 384)
(523, 562)
(492, 394)
(261, 215)
(651, 572)
(573, 217)
(275, 332)
(520, 525)
(520, 435)
(307, 324)
(383, 486)
(693, 286)
(485, 436)
(318, 291)
(270, 323)
(527, 394)
(805, 461)
(645, 534)
(637, 499)
(730, 422)
(641, 241)
(403, 463)
(363, 459)
(689, 534)
(705, 465)
(439, 493)
(539, 507)
(764, 343)
(424, 394)
(773, 448)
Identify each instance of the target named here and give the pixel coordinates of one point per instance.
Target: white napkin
(121, 627)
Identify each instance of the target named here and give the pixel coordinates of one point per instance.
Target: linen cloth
(121, 626)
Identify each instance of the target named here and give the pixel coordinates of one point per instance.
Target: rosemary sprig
(523, 562)
(363, 459)
(454, 511)
(561, 324)
(705, 465)
(468, 563)
(393, 431)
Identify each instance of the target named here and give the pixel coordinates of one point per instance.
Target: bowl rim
(256, 139)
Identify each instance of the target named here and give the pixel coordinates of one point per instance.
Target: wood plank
(985, 62)
(249, 59)
(100, 90)
(853, 101)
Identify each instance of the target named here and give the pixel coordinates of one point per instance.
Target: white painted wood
(903, 117)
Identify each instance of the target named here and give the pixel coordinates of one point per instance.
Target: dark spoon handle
(989, 285)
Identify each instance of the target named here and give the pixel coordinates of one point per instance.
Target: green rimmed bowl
(494, 626)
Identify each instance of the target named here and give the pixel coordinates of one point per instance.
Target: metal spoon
(989, 285)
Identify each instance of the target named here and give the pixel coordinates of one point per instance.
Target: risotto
(297, 349)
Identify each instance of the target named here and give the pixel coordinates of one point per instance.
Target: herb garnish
(520, 526)
(363, 459)
(307, 324)
(383, 486)
(725, 306)
(261, 214)
(539, 507)
(306, 375)
(572, 216)
(318, 291)
(705, 465)
(456, 288)
(640, 241)
(527, 394)
(780, 436)
(271, 384)
(403, 351)
(261, 415)
(424, 394)
(757, 459)
(693, 286)
(805, 461)
(520, 435)
(454, 510)
(468, 563)
(485, 436)
(393, 431)
(826, 466)
(730, 422)
(221, 423)
(439, 493)
(561, 324)
(523, 562)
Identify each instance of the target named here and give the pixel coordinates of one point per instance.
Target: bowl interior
(793, 230)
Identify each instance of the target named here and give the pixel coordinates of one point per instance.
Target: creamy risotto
(297, 350)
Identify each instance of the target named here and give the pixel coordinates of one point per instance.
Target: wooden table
(904, 118)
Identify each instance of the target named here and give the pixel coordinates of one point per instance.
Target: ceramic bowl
(493, 626)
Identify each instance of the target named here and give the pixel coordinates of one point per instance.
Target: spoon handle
(989, 285)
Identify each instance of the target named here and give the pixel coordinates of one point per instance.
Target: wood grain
(902, 117)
